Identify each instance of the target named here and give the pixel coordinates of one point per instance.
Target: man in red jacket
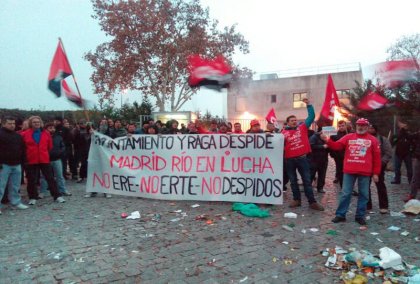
(296, 149)
(38, 143)
(362, 160)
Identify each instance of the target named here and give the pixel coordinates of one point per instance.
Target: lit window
(273, 99)
(297, 100)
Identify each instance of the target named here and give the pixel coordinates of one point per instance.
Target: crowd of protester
(47, 155)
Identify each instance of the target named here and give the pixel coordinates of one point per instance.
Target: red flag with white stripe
(372, 101)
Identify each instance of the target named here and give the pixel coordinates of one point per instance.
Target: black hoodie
(12, 148)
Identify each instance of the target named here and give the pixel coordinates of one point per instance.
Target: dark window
(273, 99)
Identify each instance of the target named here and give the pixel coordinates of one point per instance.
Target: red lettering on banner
(150, 184)
(213, 186)
(182, 163)
(105, 181)
(246, 165)
(176, 163)
(145, 161)
(205, 164)
(114, 160)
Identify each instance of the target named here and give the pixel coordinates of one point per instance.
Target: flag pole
(74, 79)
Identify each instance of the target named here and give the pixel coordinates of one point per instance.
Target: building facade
(252, 99)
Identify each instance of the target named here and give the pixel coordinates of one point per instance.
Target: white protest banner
(209, 167)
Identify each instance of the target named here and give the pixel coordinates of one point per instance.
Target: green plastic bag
(250, 210)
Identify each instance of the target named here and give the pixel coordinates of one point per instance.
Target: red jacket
(37, 153)
(362, 154)
(296, 141)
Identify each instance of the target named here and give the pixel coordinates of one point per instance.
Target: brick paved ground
(86, 241)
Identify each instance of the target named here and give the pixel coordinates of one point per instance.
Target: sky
(286, 34)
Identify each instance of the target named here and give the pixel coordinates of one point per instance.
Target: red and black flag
(71, 95)
(60, 69)
(213, 74)
(331, 101)
(372, 101)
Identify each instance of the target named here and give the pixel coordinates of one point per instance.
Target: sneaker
(107, 195)
(21, 206)
(90, 194)
(361, 221)
(60, 200)
(316, 206)
(80, 180)
(383, 211)
(32, 201)
(408, 198)
(295, 203)
(40, 196)
(66, 193)
(338, 219)
(321, 191)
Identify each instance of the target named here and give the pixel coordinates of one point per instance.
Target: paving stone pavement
(85, 240)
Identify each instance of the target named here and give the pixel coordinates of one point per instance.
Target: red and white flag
(372, 101)
(271, 117)
(71, 95)
(331, 101)
(395, 73)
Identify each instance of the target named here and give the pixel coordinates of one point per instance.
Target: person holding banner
(296, 149)
(271, 128)
(237, 128)
(362, 160)
(255, 127)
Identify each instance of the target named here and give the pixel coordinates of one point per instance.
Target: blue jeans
(302, 165)
(10, 177)
(57, 167)
(408, 165)
(346, 193)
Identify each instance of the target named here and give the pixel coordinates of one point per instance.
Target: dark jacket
(338, 154)
(403, 143)
(82, 142)
(58, 148)
(12, 148)
(319, 152)
(65, 133)
(416, 145)
(120, 132)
